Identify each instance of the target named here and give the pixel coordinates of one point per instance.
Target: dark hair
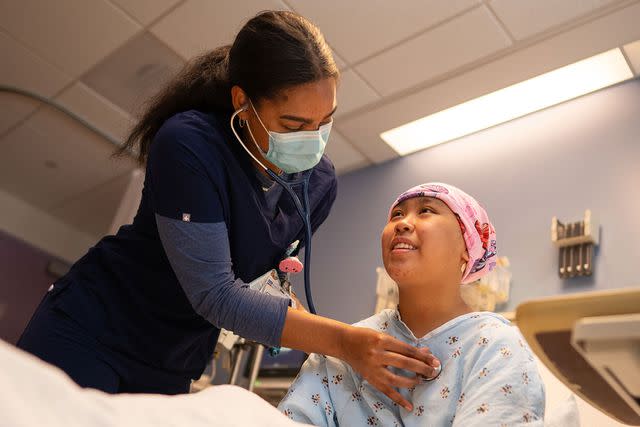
(273, 51)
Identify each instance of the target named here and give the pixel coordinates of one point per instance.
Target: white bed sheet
(33, 393)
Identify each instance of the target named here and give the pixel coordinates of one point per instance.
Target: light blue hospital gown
(489, 378)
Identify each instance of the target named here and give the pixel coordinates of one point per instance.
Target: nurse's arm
(199, 255)
(369, 352)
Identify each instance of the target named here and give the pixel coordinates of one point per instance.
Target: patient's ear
(465, 258)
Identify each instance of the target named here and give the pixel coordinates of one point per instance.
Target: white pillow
(563, 414)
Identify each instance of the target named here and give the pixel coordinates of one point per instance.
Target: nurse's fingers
(409, 364)
(400, 381)
(419, 354)
(395, 396)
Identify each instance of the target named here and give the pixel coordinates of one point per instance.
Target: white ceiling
(399, 61)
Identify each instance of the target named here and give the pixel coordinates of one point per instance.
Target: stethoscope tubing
(305, 215)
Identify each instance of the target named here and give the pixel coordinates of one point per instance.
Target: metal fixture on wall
(575, 241)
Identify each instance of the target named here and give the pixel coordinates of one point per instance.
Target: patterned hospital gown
(489, 378)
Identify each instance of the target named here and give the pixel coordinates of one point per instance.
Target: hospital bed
(591, 343)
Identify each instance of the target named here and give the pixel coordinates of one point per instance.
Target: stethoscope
(303, 209)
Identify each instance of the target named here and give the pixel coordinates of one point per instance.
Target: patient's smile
(402, 245)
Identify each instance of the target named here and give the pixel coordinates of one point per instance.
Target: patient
(436, 238)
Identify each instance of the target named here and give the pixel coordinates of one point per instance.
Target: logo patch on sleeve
(186, 217)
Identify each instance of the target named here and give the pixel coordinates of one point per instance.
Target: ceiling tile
(344, 157)
(24, 172)
(14, 109)
(23, 69)
(93, 211)
(200, 25)
(616, 29)
(353, 93)
(73, 35)
(526, 18)
(51, 158)
(97, 110)
(358, 31)
(134, 72)
(339, 61)
(632, 51)
(145, 11)
(435, 52)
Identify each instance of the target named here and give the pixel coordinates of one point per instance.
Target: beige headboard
(547, 324)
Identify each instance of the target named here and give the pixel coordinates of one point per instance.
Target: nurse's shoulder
(325, 167)
(191, 129)
(192, 139)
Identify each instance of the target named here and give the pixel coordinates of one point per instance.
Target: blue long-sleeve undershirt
(200, 257)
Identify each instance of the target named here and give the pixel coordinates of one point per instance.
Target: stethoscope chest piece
(438, 370)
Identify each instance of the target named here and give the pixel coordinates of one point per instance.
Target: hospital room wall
(560, 161)
(23, 284)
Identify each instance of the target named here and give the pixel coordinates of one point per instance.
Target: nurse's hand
(370, 353)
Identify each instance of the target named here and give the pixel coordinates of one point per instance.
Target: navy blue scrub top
(159, 290)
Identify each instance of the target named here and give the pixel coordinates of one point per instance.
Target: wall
(581, 154)
(29, 239)
(23, 283)
(42, 230)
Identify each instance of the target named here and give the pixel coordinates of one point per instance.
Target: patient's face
(422, 240)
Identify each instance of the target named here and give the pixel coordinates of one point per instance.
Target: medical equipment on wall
(304, 210)
(492, 289)
(591, 342)
(576, 241)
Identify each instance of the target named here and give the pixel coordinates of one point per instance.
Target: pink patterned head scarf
(477, 231)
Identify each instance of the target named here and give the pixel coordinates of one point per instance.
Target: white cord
(233, 116)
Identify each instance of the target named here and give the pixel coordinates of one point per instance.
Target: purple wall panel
(23, 282)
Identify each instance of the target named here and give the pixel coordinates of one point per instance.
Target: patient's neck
(424, 308)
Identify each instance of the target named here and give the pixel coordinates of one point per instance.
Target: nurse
(142, 310)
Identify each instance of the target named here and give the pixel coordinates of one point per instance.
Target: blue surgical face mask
(294, 151)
